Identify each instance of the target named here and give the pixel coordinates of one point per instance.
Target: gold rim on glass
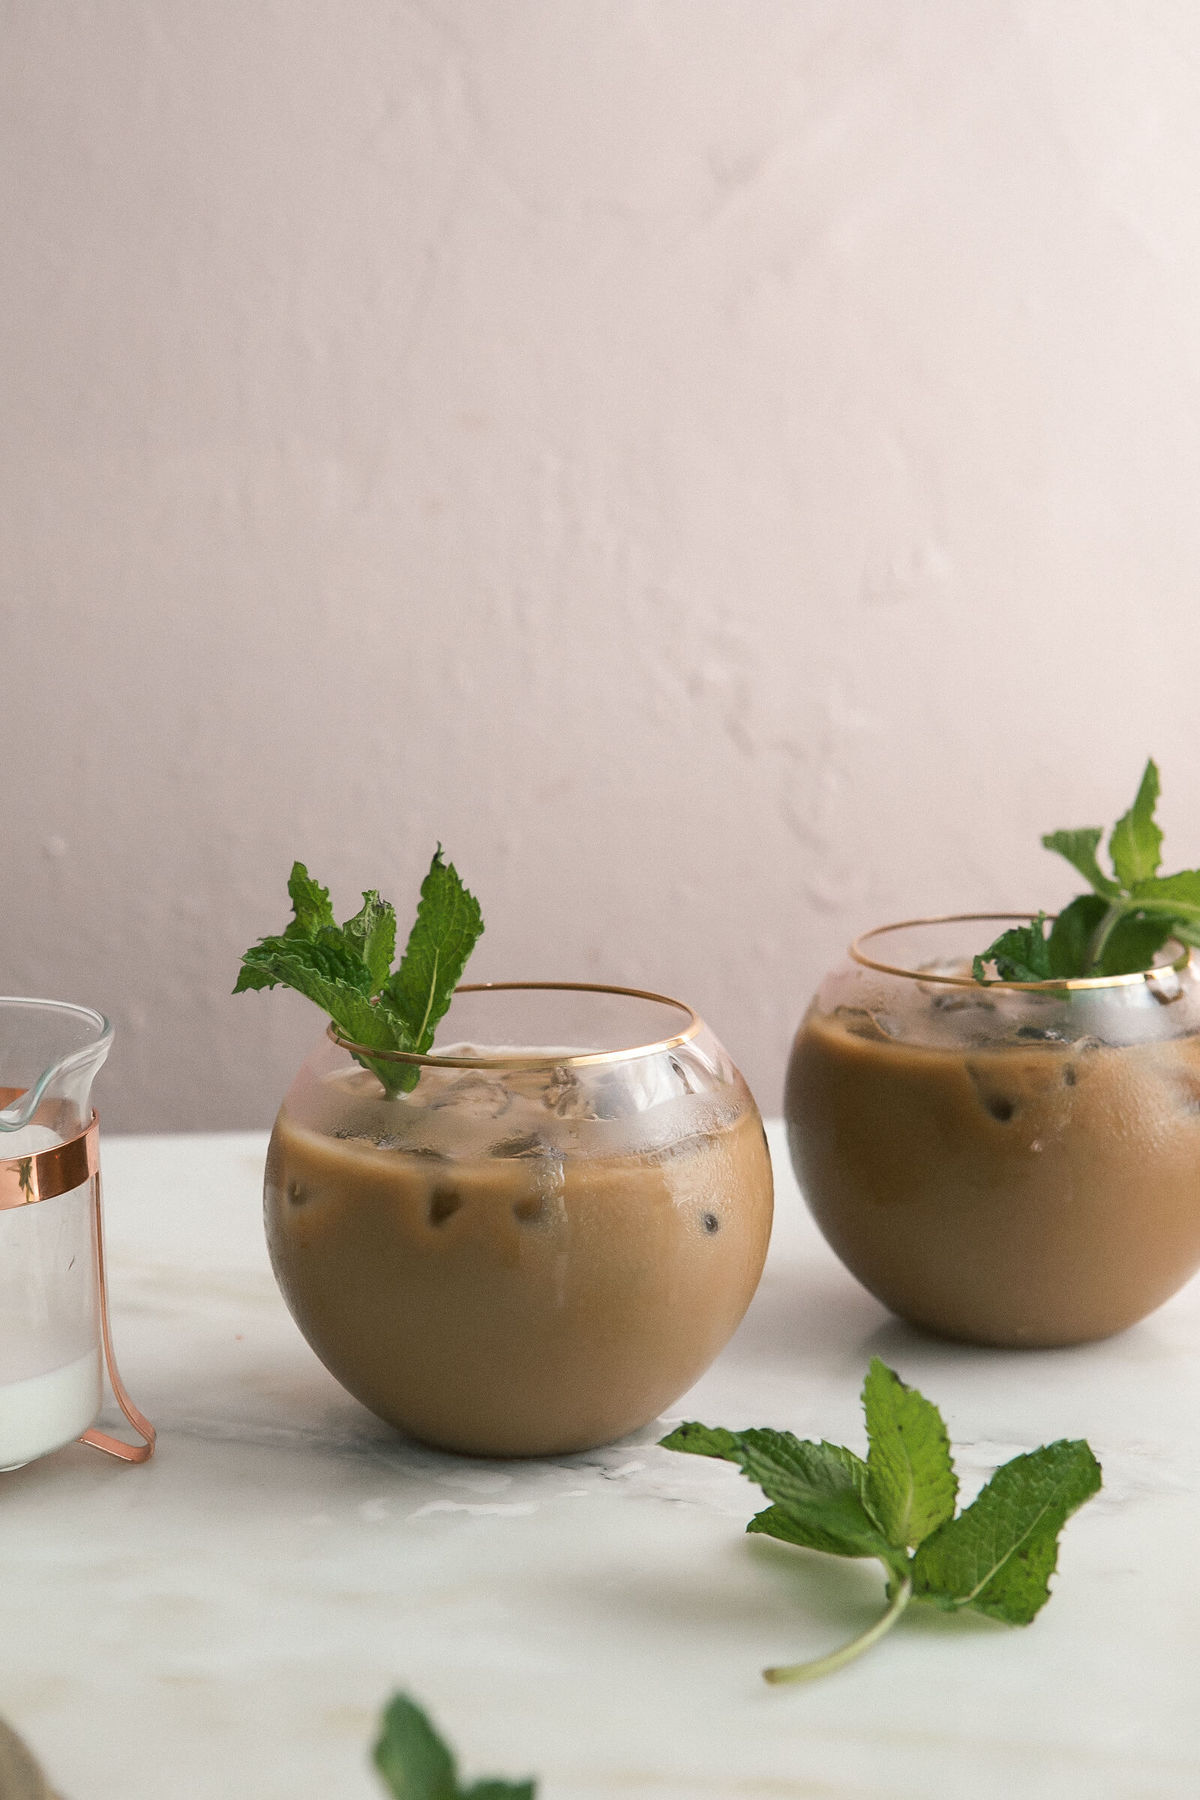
(1062, 984)
(539, 1060)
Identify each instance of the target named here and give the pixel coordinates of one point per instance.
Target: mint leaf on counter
(500, 1790)
(911, 1484)
(1118, 928)
(1000, 1552)
(346, 969)
(818, 1488)
(417, 1764)
(703, 1440)
(411, 1757)
(997, 1556)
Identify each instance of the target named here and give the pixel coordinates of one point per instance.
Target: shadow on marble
(1136, 1349)
(814, 1312)
(758, 1592)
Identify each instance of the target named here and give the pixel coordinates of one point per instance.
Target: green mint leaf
(320, 968)
(1175, 899)
(702, 1440)
(1182, 889)
(448, 926)
(500, 1790)
(1079, 848)
(343, 969)
(998, 1555)
(911, 1484)
(328, 968)
(1133, 943)
(835, 1527)
(1022, 953)
(310, 904)
(1136, 840)
(411, 1757)
(818, 1490)
(1073, 933)
(1124, 923)
(258, 972)
(372, 932)
(330, 973)
(417, 1764)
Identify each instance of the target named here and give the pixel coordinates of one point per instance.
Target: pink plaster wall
(727, 468)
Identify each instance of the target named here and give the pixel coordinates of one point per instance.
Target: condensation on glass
(545, 1240)
(1011, 1163)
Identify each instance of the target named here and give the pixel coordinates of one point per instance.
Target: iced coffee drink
(536, 1250)
(1004, 1164)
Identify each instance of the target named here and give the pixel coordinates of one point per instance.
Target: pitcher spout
(50, 1053)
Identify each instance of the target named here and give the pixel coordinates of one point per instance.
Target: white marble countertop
(229, 1618)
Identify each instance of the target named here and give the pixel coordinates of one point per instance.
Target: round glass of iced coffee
(542, 1244)
(1011, 1163)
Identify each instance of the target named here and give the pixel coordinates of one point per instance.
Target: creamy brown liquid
(519, 1306)
(1041, 1194)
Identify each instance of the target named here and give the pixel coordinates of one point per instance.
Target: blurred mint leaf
(1072, 933)
(911, 1484)
(1079, 848)
(1136, 841)
(417, 1764)
(1022, 953)
(1133, 943)
(500, 1790)
(411, 1757)
(998, 1555)
(1182, 889)
(1176, 900)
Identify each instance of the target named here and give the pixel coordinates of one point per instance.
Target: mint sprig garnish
(995, 1557)
(1121, 925)
(346, 970)
(417, 1764)
(448, 926)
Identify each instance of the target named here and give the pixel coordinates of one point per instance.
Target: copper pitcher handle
(101, 1440)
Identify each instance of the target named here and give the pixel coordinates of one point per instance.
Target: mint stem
(825, 1665)
(1104, 930)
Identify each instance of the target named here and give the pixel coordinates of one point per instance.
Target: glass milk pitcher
(54, 1333)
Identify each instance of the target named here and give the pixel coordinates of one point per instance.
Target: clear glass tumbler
(1016, 1163)
(546, 1241)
